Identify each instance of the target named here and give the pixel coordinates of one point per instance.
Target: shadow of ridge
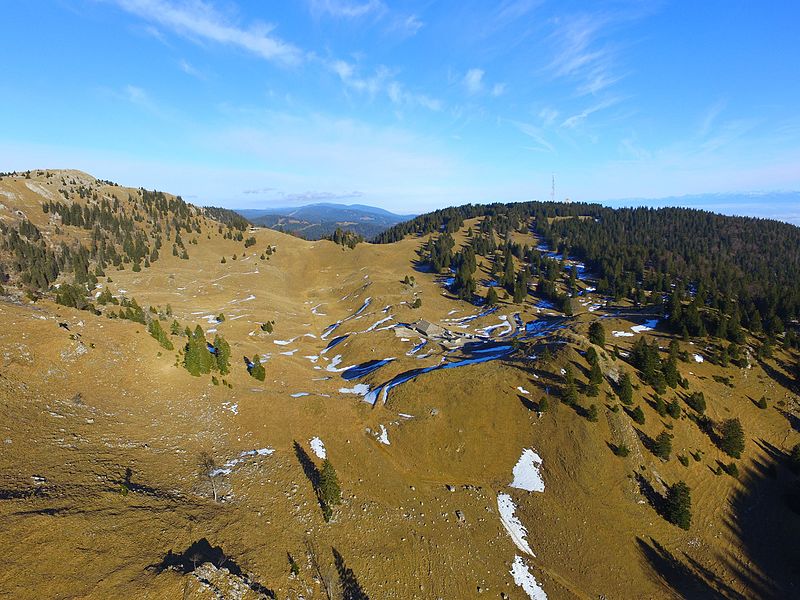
(201, 552)
(764, 523)
(683, 579)
(351, 589)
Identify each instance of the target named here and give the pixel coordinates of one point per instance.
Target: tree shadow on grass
(687, 579)
(351, 589)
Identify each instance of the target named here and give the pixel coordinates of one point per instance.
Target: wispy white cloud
(346, 9)
(576, 120)
(710, 116)
(382, 82)
(187, 68)
(198, 20)
(498, 89)
(139, 97)
(407, 25)
(473, 80)
(533, 132)
(548, 116)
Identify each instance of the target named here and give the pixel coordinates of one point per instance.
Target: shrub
(621, 450)
(762, 403)
(731, 469)
(591, 414)
(684, 460)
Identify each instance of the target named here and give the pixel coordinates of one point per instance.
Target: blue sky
(406, 105)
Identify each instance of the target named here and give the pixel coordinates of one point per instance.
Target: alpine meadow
(364, 299)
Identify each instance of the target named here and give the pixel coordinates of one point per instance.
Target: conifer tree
(663, 445)
(626, 389)
(678, 505)
(159, 334)
(257, 370)
(732, 438)
(570, 394)
(329, 492)
(223, 354)
(597, 334)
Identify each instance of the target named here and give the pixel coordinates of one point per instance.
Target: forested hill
(61, 230)
(748, 268)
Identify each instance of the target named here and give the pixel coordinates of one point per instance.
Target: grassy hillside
(123, 475)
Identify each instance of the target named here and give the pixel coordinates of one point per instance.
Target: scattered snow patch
(647, 326)
(526, 472)
(698, 358)
(512, 524)
(522, 390)
(383, 438)
(318, 447)
(361, 389)
(523, 578)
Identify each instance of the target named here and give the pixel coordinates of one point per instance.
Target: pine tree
(626, 389)
(597, 334)
(570, 394)
(638, 415)
(159, 334)
(674, 409)
(663, 445)
(732, 438)
(591, 414)
(595, 374)
(223, 354)
(491, 297)
(678, 505)
(197, 358)
(257, 370)
(329, 492)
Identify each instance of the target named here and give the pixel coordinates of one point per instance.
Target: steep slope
(425, 472)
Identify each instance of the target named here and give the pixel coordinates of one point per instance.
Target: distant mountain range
(314, 221)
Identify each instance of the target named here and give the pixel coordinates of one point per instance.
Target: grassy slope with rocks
(86, 397)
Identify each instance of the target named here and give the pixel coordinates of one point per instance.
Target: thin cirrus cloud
(199, 20)
(380, 83)
(348, 10)
(473, 80)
